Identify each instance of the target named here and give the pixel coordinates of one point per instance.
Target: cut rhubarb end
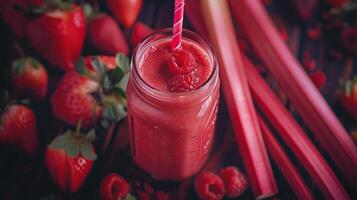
(291, 77)
(293, 135)
(284, 164)
(238, 98)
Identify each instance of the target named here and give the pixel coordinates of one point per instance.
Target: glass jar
(171, 134)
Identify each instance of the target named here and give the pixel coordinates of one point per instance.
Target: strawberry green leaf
(104, 123)
(88, 10)
(118, 91)
(18, 66)
(124, 82)
(107, 84)
(116, 75)
(348, 13)
(123, 62)
(87, 151)
(72, 150)
(114, 111)
(91, 135)
(81, 67)
(61, 142)
(33, 62)
(39, 10)
(99, 67)
(348, 88)
(130, 197)
(120, 112)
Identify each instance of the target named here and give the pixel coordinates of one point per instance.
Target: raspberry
(235, 182)
(209, 186)
(183, 83)
(349, 39)
(309, 64)
(181, 62)
(113, 186)
(318, 78)
(314, 33)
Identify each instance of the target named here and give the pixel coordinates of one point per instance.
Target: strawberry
(30, 78)
(95, 93)
(349, 39)
(69, 159)
(139, 33)
(114, 187)
(336, 3)
(108, 61)
(349, 97)
(105, 36)
(58, 35)
(10, 11)
(18, 128)
(125, 11)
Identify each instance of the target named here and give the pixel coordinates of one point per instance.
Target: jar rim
(166, 33)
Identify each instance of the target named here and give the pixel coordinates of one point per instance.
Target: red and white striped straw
(178, 22)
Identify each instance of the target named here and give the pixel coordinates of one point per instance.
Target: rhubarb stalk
(293, 135)
(193, 12)
(284, 164)
(291, 77)
(239, 101)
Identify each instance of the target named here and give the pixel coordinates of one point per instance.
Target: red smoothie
(172, 105)
(180, 70)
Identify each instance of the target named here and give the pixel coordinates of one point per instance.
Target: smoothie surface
(181, 70)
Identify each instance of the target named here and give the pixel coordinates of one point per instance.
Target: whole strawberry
(114, 187)
(125, 11)
(58, 33)
(29, 78)
(69, 159)
(349, 97)
(95, 93)
(18, 128)
(139, 33)
(105, 36)
(10, 11)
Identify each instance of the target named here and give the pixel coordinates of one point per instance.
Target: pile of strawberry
(72, 54)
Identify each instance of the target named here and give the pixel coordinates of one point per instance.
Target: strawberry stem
(19, 49)
(78, 129)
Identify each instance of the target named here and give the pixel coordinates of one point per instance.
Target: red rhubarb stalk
(238, 98)
(293, 135)
(291, 77)
(284, 164)
(193, 12)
